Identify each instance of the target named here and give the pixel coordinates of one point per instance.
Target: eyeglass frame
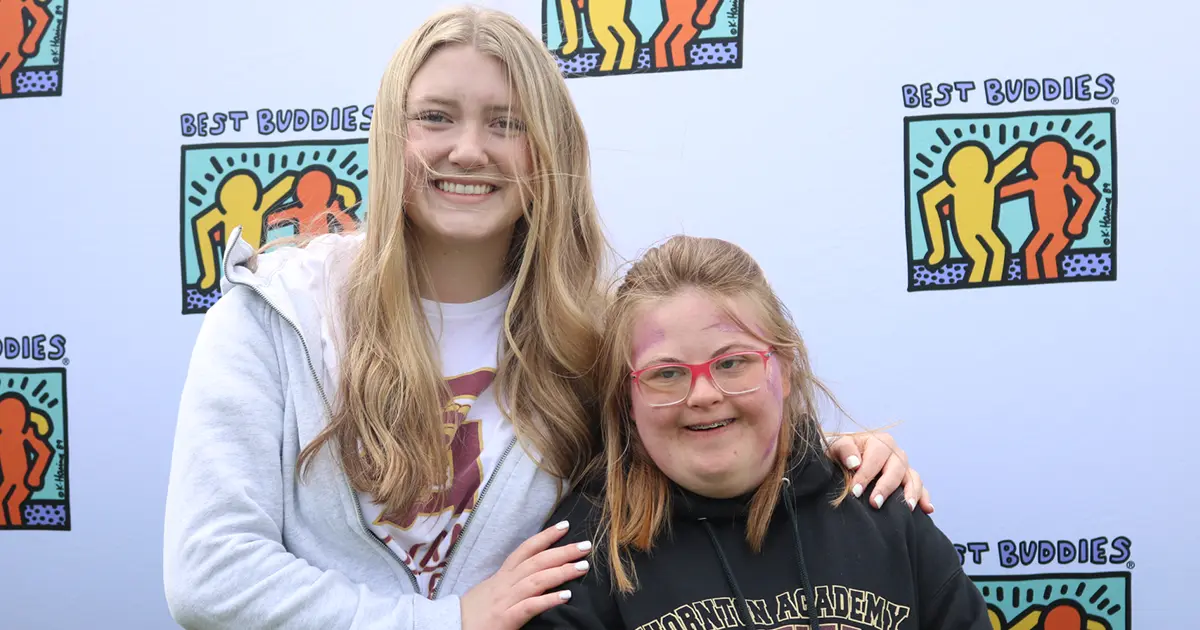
(704, 369)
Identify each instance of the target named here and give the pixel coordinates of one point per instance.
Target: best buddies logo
(1090, 589)
(34, 489)
(1015, 197)
(271, 189)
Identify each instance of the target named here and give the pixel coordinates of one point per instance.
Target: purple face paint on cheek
(775, 380)
(775, 386)
(771, 446)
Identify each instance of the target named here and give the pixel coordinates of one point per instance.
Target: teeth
(709, 427)
(465, 189)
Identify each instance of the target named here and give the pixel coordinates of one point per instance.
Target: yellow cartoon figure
(610, 28)
(242, 201)
(967, 194)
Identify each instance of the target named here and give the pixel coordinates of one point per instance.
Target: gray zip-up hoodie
(248, 545)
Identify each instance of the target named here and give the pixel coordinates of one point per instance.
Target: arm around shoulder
(948, 597)
(593, 603)
(224, 563)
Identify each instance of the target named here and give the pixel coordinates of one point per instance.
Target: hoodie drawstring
(809, 607)
(743, 607)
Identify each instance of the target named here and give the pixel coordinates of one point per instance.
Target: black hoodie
(887, 569)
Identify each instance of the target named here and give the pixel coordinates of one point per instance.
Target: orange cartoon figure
(25, 454)
(683, 21)
(17, 40)
(968, 195)
(242, 201)
(319, 198)
(1054, 171)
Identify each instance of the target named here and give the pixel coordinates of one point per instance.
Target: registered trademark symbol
(1130, 564)
(66, 361)
(1115, 100)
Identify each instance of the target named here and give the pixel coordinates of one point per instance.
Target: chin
(462, 233)
(453, 225)
(721, 484)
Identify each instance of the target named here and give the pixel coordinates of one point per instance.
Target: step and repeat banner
(979, 216)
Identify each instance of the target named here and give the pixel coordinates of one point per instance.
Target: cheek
(649, 422)
(416, 164)
(415, 141)
(518, 160)
(638, 409)
(767, 408)
(769, 437)
(775, 382)
(426, 149)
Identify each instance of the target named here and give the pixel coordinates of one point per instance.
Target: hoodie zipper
(346, 480)
(362, 523)
(471, 516)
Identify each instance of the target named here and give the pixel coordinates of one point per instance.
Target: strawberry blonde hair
(637, 503)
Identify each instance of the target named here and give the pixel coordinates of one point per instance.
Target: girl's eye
(511, 124)
(730, 363)
(665, 374)
(433, 117)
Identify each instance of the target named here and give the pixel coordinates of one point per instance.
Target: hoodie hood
(809, 474)
(303, 284)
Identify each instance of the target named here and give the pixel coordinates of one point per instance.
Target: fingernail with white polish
(582, 565)
(912, 504)
(585, 545)
(561, 526)
(857, 490)
(879, 500)
(852, 462)
(564, 594)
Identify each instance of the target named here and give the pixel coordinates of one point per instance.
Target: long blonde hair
(637, 504)
(388, 419)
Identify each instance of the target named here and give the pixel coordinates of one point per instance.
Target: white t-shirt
(469, 342)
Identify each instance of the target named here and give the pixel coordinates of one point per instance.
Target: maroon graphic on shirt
(466, 446)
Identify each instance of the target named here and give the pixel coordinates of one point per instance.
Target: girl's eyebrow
(737, 345)
(440, 101)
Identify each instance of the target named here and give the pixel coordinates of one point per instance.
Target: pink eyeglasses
(733, 373)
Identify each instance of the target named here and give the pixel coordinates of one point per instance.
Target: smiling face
(464, 124)
(712, 443)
